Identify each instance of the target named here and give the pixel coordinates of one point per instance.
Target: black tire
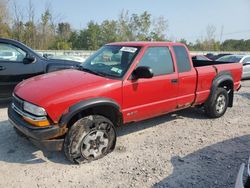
(217, 105)
(94, 135)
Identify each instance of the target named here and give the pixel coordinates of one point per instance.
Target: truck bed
(208, 70)
(201, 63)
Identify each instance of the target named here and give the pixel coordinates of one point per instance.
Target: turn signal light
(42, 123)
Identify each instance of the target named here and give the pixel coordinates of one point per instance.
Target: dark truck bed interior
(201, 63)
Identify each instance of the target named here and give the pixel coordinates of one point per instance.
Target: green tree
(160, 26)
(4, 17)
(47, 34)
(18, 23)
(64, 30)
(124, 29)
(234, 45)
(140, 26)
(210, 44)
(30, 34)
(60, 45)
(183, 41)
(18, 29)
(109, 32)
(46, 29)
(74, 39)
(90, 37)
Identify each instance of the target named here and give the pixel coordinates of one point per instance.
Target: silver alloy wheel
(94, 144)
(220, 104)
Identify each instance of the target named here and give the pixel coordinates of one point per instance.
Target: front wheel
(90, 138)
(218, 106)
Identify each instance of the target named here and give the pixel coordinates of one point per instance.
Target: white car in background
(244, 59)
(240, 183)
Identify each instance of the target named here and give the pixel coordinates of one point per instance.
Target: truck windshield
(111, 60)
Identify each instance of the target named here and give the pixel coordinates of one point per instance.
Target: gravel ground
(183, 149)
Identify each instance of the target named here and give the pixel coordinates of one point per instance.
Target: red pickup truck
(78, 110)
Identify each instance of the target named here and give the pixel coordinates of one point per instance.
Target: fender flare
(220, 78)
(84, 105)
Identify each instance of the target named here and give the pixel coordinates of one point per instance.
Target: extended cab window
(182, 59)
(159, 59)
(11, 53)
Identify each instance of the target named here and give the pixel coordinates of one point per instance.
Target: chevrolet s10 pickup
(78, 110)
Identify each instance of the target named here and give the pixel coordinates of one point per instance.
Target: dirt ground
(183, 149)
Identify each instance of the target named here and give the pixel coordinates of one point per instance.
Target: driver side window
(159, 59)
(11, 53)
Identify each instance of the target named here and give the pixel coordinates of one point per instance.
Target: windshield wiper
(80, 67)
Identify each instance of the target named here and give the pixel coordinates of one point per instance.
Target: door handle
(174, 81)
(2, 68)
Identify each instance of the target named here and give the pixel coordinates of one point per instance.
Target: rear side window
(159, 59)
(182, 59)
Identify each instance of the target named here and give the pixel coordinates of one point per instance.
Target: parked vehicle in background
(215, 57)
(78, 110)
(221, 55)
(70, 58)
(244, 59)
(210, 56)
(200, 57)
(19, 62)
(240, 177)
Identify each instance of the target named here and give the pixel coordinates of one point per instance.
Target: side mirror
(246, 63)
(29, 59)
(45, 56)
(142, 72)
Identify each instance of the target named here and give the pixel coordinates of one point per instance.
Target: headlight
(33, 109)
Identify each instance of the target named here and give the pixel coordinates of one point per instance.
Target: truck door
(145, 98)
(12, 68)
(187, 77)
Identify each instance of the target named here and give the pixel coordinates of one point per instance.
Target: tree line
(48, 32)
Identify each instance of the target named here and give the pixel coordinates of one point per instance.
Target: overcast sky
(187, 19)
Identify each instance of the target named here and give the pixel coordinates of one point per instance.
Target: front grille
(18, 102)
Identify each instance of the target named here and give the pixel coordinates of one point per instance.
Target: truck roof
(146, 43)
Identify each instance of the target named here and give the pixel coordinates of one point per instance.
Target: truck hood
(63, 88)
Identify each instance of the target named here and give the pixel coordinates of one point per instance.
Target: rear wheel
(90, 138)
(218, 106)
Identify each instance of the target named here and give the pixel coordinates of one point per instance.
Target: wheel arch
(223, 80)
(97, 106)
